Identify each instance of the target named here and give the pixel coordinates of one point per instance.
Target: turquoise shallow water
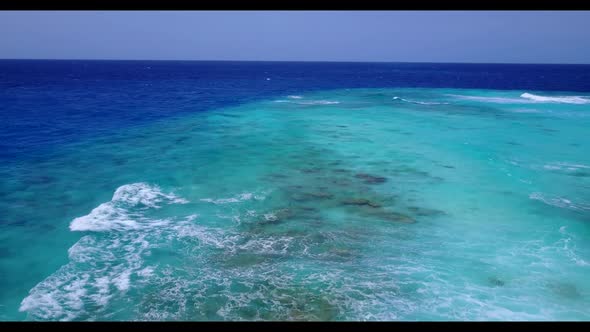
(360, 204)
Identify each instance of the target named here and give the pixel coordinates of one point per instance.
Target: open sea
(171, 190)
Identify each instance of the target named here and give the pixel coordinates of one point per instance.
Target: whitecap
(270, 217)
(527, 98)
(236, 199)
(560, 202)
(499, 100)
(143, 193)
(419, 102)
(556, 99)
(124, 211)
(318, 102)
(309, 102)
(122, 280)
(99, 270)
(570, 250)
(103, 268)
(93, 280)
(565, 166)
(103, 218)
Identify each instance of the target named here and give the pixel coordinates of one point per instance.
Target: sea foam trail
(565, 166)
(309, 102)
(559, 202)
(101, 268)
(419, 102)
(527, 98)
(556, 99)
(124, 211)
(239, 198)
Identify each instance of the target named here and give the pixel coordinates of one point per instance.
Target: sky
(382, 36)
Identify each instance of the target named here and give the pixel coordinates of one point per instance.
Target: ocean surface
(154, 190)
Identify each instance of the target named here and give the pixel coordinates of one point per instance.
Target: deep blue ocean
(202, 190)
(47, 103)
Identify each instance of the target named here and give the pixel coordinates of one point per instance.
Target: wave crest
(309, 102)
(124, 211)
(559, 202)
(419, 102)
(556, 99)
(527, 98)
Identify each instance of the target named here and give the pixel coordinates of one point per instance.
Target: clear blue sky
(435, 36)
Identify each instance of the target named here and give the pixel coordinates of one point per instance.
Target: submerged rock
(340, 182)
(496, 282)
(311, 170)
(278, 216)
(425, 212)
(565, 289)
(410, 170)
(393, 216)
(244, 259)
(339, 254)
(308, 209)
(399, 217)
(370, 179)
(278, 176)
(361, 202)
(228, 115)
(293, 188)
(320, 194)
(312, 196)
(284, 214)
(300, 305)
(581, 174)
(341, 170)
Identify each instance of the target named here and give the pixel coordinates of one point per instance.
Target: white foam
(86, 250)
(556, 99)
(57, 297)
(192, 217)
(570, 251)
(119, 213)
(103, 218)
(207, 236)
(419, 102)
(294, 97)
(142, 193)
(527, 98)
(236, 199)
(499, 100)
(559, 202)
(309, 102)
(147, 272)
(565, 166)
(318, 102)
(102, 296)
(122, 280)
(99, 269)
(270, 217)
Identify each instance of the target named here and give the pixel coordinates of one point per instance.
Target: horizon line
(291, 61)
